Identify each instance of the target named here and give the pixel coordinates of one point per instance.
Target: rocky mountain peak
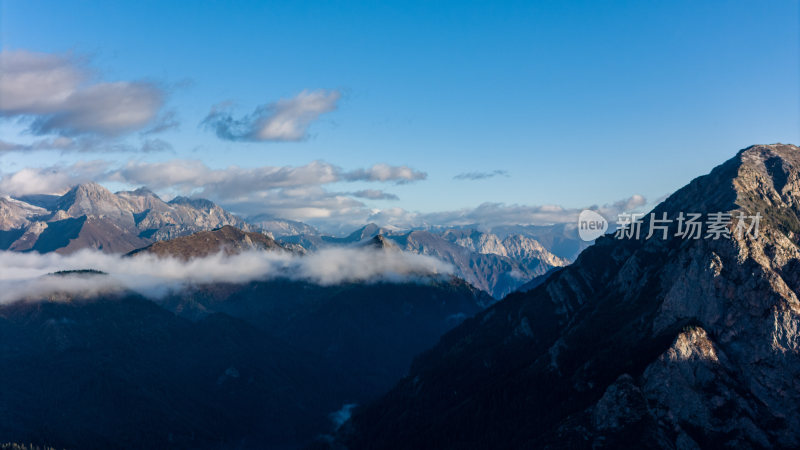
(758, 177)
(367, 231)
(89, 215)
(91, 199)
(90, 189)
(379, 241)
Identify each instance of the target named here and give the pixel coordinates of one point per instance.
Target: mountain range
(91, 216)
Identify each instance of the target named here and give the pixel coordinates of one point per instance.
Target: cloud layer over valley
(28, 275)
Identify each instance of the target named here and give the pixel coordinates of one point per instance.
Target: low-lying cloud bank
(25, 275)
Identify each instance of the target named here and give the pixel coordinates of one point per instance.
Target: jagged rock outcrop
(646, 343)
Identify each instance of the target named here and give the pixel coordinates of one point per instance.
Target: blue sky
(574, 103)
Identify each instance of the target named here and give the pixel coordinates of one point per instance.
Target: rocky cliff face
(659, 343)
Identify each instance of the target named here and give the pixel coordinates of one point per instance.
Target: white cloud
(236, 182)
(307, 203)
(284, 120)
(480, 175)
(191, 175)
(23, 275)
(56, 94)
(374, 194)
(194, 177)
(167, 121)
(95, 144)
(57, 143)
(385, 172)
(106, 109)
(51, 180)
(37, 83)
(494, 214)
